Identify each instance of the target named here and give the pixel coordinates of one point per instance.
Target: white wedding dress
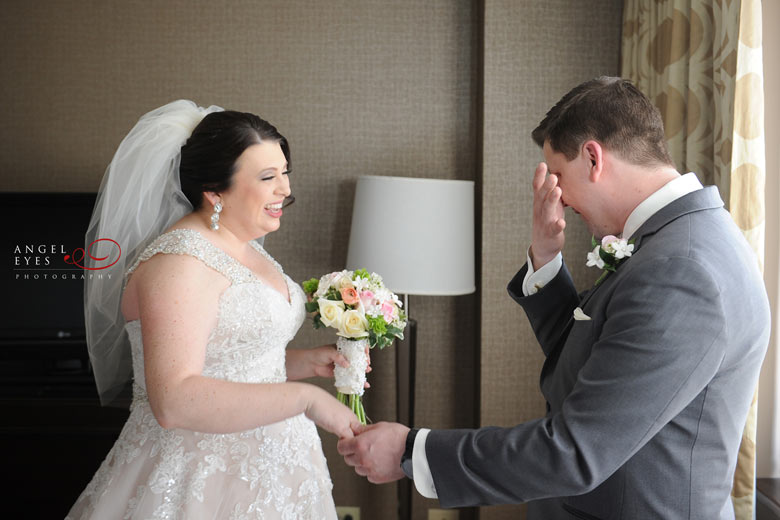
(271, 472)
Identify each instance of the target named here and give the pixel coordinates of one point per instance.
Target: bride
(215, 428)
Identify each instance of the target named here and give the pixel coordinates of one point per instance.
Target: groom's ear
(593, 154)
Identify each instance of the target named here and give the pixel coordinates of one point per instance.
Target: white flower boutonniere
(609, 254)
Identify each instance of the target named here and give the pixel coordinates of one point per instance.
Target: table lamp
(418, 234)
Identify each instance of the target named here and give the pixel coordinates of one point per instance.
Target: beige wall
(373, 87)
(370, 87)
(534, 53)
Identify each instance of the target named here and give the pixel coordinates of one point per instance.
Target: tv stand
(53, 430)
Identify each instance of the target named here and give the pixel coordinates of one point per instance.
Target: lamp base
(405, 369)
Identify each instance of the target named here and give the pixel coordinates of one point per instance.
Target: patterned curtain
(700, 61)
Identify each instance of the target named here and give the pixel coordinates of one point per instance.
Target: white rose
(324, 285)
(345, 282)
(353, 324)
(331, 312)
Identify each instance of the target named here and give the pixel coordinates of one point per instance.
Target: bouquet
(365, 315)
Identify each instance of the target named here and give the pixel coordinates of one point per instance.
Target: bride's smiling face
(252, 206)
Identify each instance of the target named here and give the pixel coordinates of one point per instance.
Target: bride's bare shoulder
(165, 277)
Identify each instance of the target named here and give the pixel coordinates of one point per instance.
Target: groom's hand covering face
(548, 217)
(375, 451)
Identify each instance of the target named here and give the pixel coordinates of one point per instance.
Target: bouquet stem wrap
(350, 382)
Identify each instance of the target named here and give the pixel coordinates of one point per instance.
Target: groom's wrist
(406, 459)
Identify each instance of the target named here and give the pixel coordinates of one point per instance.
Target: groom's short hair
(611, 111)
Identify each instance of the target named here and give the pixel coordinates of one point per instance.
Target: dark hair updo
(208, 158)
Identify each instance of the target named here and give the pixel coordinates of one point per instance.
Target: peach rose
(349, 295)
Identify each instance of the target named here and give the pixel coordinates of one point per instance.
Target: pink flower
(367, 297)
(608, 240)
(349, 295)
(388, 310)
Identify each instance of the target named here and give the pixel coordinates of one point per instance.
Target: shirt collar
(667, 194)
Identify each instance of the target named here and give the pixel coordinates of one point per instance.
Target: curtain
(700, 62)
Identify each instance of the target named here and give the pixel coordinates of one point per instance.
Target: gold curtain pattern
(700, 62)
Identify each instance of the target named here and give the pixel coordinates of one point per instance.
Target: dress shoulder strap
(260, 249)
(191, 242)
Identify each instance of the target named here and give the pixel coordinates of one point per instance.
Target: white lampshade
(418, 234)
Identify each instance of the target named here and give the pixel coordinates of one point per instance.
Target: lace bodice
(276, 471)
(255, 321)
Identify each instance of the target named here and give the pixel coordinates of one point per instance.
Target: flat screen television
(41, 286)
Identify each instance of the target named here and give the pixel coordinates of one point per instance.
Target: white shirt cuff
(423, 480)
(535, 280)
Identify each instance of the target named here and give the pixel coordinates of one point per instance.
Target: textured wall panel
(359, 88)
(371, 87)
(534, 52)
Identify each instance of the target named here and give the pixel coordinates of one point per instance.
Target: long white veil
(140, 196)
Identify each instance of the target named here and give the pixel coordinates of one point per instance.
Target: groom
(648, 375)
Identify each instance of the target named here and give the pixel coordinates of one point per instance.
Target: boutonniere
(579, 315)
(609, 254)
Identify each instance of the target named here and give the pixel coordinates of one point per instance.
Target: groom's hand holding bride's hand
(547, 235)
(375, 451)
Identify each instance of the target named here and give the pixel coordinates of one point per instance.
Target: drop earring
(215, 216)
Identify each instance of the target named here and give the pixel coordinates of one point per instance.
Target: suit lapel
(706, 198)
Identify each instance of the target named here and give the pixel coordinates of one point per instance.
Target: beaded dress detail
(276, 471)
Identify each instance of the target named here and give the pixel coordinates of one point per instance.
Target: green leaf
(310, 286)
(362, 273)
(395, 331)
(594, 242)
(609, 260)
(382, 342)
(312, 306)
(377, 324)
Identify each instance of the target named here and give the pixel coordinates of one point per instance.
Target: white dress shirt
(535, 280)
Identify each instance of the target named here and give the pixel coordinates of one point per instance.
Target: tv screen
(41, 280)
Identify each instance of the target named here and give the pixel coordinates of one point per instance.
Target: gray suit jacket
(647, 401)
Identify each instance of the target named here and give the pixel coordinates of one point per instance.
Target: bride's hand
(319, 361)
(368, 367)
(323, 360)
(329, 414)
